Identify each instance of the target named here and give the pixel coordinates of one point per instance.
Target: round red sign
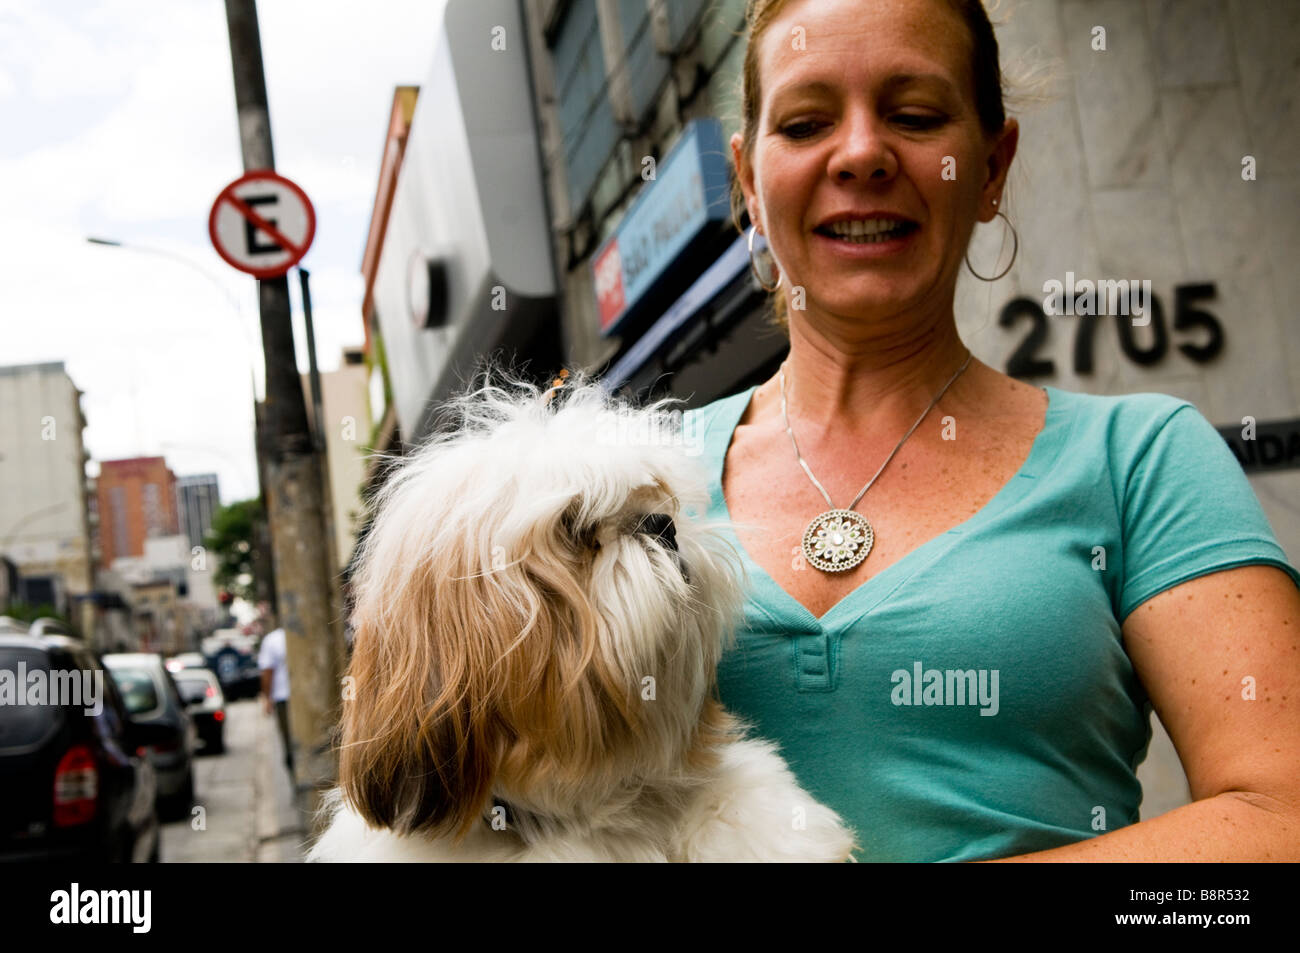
(262, 224)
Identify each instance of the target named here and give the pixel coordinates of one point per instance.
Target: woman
(1041, 567)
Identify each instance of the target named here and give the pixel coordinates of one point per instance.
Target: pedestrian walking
(273, 662)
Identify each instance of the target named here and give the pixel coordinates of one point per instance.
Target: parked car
(250, 676)
(48, 626)
(186, 660)
(73, 785)
(206, 705)
(151, 697)
(233, 656)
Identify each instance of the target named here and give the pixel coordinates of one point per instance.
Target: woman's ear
(745, 175)
(999, 166)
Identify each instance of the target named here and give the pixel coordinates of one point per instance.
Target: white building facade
(45, 518)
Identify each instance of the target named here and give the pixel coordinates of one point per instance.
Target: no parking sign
(262, 224)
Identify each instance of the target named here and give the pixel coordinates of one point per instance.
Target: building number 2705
(1024, 362)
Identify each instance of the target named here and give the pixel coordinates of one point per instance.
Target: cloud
(120, 121)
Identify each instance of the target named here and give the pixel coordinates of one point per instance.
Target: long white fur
(753, 810)
(489, 485)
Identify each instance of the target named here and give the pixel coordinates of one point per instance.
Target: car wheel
(121, 852)
(179, 804)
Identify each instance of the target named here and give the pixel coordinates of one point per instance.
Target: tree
(232, 540)
(25, 613)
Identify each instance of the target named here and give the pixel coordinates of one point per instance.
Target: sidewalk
(282, 823)
(248, 812)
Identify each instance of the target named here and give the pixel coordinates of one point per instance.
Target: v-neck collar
(787, 611)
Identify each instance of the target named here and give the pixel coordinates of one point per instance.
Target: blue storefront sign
(690, 192)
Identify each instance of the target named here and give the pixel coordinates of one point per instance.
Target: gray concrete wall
(1130, 166)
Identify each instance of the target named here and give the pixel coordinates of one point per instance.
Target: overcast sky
(118, 120)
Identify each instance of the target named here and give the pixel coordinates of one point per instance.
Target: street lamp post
(253, 352)
(27, 518)
(233, 301)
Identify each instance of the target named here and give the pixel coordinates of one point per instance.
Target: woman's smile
(860, 241)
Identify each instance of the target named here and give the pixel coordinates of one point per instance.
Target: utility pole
(309, 606)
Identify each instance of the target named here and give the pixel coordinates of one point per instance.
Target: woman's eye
(917, 121)
(803, 130)
(799, 130)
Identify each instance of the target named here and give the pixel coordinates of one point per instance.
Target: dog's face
(538, 615)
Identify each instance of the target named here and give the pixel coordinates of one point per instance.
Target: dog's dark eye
(584, 535)
(659, 525)
(586, 538)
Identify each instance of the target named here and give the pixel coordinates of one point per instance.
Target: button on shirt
(272, 655)
(973, 700)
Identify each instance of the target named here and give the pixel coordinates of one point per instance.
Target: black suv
(74, 782)
(154, 705)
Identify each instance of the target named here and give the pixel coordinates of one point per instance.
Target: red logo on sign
(608, 268)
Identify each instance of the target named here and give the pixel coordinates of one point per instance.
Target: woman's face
(868, 111)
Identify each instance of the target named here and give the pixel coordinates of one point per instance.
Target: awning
(718, 276)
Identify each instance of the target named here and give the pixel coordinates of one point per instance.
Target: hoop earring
(753, 267)
(1014, 251)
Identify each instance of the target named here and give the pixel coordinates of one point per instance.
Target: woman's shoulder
(726, 402)
(1143, 403)
(698, 422)
(1126, 423)
(1152, 444)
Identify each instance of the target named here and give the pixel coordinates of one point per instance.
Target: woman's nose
(862, 149)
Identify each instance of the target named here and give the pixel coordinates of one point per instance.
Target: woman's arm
(1194, 647)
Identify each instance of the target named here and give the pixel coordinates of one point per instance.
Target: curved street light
(232, 300)
(235, 303)
(25, 519)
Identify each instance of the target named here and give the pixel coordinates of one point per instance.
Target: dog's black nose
(659, 525)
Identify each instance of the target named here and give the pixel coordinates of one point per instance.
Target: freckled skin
(862, 45)
(872, 144)
(876, 338)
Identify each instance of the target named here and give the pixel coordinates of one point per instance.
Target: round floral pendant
(837, 540)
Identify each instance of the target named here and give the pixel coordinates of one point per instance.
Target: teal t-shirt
(974, 700)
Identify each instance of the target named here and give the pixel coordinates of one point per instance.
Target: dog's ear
(473, 667)
(480, 662)
(420, 725)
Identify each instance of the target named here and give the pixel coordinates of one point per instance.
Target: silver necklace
(838, 540)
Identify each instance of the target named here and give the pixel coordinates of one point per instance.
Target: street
(494, 411)
(243, 802)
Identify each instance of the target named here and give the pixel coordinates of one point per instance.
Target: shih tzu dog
(538, 623)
